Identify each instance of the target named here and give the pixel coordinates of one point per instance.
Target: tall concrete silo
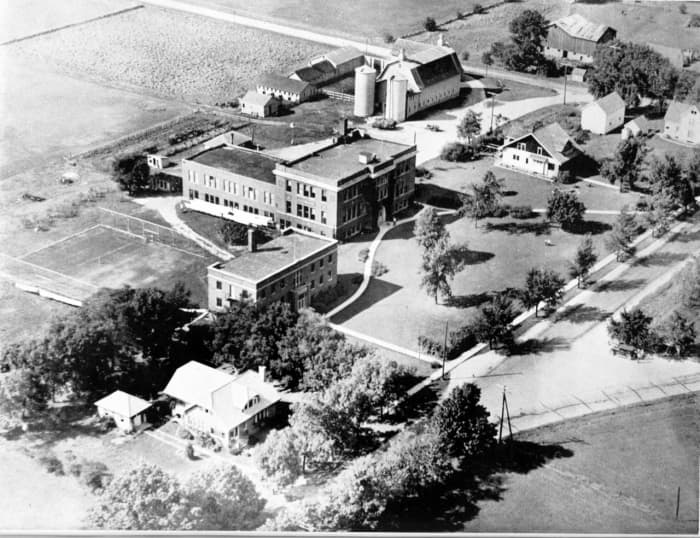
(365, 80)
(396, 95)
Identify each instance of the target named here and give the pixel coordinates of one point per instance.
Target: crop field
(99, 256)
(363, 17)
(170, 54)
(650, 22)
(622, 475)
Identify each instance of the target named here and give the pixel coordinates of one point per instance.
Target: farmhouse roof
(285, 84)
(676, 110)
(123, 404)
(578, 26)
(343, 55)
(555, 140)
(239, 160)
(255, 98)
(610, 103)
(275, 256)
(640, 121)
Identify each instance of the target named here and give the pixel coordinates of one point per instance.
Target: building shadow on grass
(581, 313)
(535, 346)
(468, 301)
(593, 227)
(661, 259)
(518, 228)
(437, 196)
(470, 257)
(621, 285)
(458, 500)
(377, 290)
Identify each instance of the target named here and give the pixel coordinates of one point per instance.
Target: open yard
(643, 22)
(170, 54)
(500, 252)
(621, 475)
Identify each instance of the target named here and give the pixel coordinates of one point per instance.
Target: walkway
(165, 205)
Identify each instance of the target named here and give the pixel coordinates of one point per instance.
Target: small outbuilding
(578, 74)
(639, 126)
(128, 412)
(259, 105)
(604, 115)
(288, 90)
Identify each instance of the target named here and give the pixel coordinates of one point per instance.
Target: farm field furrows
(170, 54)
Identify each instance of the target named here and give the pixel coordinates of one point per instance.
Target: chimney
(441, 40)
(261, 373)
(252, 247)
(342, 127)
(402, 54)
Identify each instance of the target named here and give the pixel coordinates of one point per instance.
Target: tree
(465, 55)
(632, 329)
(225, 500)
(22, 394)
(478, 9)
(493, 324)
(542, 285)
(143, 498)
(458, 152)
(487, 60)
(689, 284)
(439, 266)
(564, 208)
(430, 25)
(670, 179)
(626, 164)
(279, 457)
(687, 86)
(528, 32)
(469, 125)
(659, 215)
(234, 233)
(583, 261)
(483, 200)
(464, 430)
(619, 240)
(131, 172)
(679, 333)
(429, 229)
(381, 381)
(633, 70)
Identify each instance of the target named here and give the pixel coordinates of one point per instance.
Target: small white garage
(604, 115)
(128, 411)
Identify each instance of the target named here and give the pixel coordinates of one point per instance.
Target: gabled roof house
(682, 122)
(543, 152)
(575, 38)
(604, 115)
(227, 407)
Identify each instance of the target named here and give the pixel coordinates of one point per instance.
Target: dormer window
(521, 146)
(539, 151)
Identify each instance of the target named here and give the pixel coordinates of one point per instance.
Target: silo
(365, 80)
(397, 91)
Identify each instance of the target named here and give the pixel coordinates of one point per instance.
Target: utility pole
(505, 413)
(678, 501)
(566, 68)
(444, 352)
(492, 106)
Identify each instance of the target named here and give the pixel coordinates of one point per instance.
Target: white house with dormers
(682, 122)
(543, 152)
(604, 115)
(227, 407)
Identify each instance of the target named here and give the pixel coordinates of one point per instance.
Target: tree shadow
(377, 290)
(509, 193)
(536, 346)
(437, 196)
(468, 301)
(519, 228)
(621, 285)
(593, 227)
(587, 166)
(687, 237)
(661, 259)
(470, 257)
(581, 313)
(420, 405)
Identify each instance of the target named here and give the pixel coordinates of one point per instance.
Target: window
(521, 146)
(216, 200)
(297, 279)
(306, 212)
(320, 262)
(262, 294)
(313, 266)
(539, 151)
(298, 210)
(320, 280)
(313, 283)
(283, 283)
(289, 186)
(330, 275)
(288, 206)
(312, 192)
(330, 258)
(323, 195)
(218, 301)
(218, 284)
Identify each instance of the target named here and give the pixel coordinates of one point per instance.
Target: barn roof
(308, 74)
(578, 26)
(610, 103)
(123, 404)
(255, 98)
(278, 82)
(343, 55)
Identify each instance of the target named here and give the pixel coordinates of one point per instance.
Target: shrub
(430, 25)
(460, 341)
(184, 433)
(189, 451)
(105, 424)
(565, 177)
(75, 469)
(493, 138)
(234, 233)
(522, 212)
(694, 21)
(430, 346)
(502, 210)
(52, 465)
(327, 297)
(465, 55)
(388, 38)
(478, 8)
(95, 475)
(363, 255)
(458, 152)
(683, 9)
(423, 172)
(385, 124)
(378, 269)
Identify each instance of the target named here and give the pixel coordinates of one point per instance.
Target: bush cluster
(458, 152)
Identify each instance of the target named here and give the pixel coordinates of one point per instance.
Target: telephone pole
(444, 352)
(505, 413)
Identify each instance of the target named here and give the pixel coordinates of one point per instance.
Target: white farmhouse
(682, 122)
(543, 152)
(604, 115)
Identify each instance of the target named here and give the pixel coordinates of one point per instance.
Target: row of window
(349, 193)
(522, 146)
(194, 195)
(306, 190)
(230, 187)
(352, 212)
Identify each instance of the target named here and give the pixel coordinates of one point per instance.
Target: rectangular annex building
(292, 268)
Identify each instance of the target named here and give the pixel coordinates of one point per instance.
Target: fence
(149, 231)
(339, 96)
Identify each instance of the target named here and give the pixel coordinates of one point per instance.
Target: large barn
(576, 38)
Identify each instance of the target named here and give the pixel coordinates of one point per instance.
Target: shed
(259, 105)
(578, 74)
(287, 90)
(636, 127)
(604, 115)
(128, 411)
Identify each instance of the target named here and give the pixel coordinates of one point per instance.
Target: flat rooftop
(275, 255)
(246, 163)
(343, 160)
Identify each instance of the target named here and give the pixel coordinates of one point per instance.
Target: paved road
(571, 370)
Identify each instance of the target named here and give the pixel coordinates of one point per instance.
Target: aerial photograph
(336, 266)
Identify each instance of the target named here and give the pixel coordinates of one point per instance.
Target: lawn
(500, 252)
(170, 54)
(568, 116)
(621, 475)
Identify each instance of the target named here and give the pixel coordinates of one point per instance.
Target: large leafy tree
(633, 70)
(483, 199)
(493, 323)
(542, 285)
(462, 423)
(22, 393)
(528, 32)
(564, 208)
(679, 333)
(584, 259)
(279, 457)
(670, 179)
(632, 329)
(625, 167)
(428, 228)
(469, 126)
(439, 266)
(131, 172)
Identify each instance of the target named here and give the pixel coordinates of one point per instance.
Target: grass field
(622, 477)
(644, 22)
(171, 54)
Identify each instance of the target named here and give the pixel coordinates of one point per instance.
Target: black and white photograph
(280, 267)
